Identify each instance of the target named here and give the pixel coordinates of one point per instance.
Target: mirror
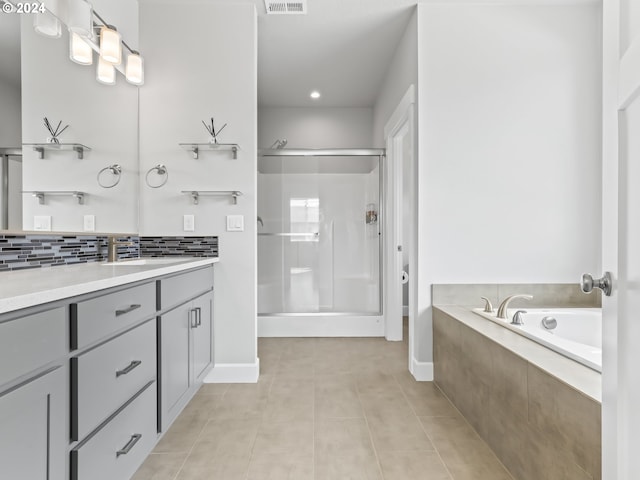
(10, 124)
(59, 190)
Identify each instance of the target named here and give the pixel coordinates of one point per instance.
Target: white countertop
(27, 288)
(572, 373)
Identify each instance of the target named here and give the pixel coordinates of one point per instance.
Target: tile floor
(324, 409)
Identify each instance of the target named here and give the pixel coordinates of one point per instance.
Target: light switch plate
(188, 223)
(42, 223)
(235, 223)
(89, 223)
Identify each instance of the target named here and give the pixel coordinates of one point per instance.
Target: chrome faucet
(502, 309)
(112, 248)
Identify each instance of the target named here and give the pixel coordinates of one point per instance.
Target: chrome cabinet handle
(605, 283)
(132, 365)
(193, 318)
(198, 316)
(130, 444)
(130, 308)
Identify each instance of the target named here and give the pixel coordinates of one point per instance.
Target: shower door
(318, 233)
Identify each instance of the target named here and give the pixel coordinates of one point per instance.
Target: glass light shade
(79, 50)
(106, 72)
(135, 69)
(80, 18)
(46, 24)
(110, 46)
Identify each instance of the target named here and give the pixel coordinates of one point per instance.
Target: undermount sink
(144, 261)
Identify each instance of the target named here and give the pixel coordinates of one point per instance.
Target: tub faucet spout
(502, 309)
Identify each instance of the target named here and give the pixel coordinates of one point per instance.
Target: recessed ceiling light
(315, 94)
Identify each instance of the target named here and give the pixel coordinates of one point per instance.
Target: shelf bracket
(195, 151)
(235, 196)
(196, 197)
(235, 152)
(79, 196)
(40, 197)
(80, 151)
(40, 151)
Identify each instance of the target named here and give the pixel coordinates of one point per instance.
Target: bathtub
(578, 334)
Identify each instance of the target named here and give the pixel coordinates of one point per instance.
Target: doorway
(400, 245)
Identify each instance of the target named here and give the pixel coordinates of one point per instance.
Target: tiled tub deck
(539, 412)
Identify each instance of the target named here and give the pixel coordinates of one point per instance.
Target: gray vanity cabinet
(186, 340)
(33, 395)
(33, 437)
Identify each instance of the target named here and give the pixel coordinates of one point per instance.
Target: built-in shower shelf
(196, 194)
(40, 195)
(195, 148)
(42, 147)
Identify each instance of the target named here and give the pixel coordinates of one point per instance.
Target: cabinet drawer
(106, 377)
(31, 342)
(120, 447)
(94, 319)
(181, 288)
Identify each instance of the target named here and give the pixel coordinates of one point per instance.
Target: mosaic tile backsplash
(19, 252)
(179, 246)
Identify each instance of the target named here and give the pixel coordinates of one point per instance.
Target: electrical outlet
(89, 223)
(42, 223)
(188, 223)
(235, 223)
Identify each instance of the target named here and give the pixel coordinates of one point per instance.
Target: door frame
(401, 125)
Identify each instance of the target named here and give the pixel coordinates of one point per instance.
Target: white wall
(402, 72)
(509, 146)
(104, 118)
(205, 68)
(316, 127)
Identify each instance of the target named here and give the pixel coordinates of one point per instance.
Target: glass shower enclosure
(319, 243)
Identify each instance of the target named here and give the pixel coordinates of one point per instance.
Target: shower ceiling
(342, 48)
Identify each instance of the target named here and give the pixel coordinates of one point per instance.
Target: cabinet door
(33, 438)
(174, 361)
(202, 336)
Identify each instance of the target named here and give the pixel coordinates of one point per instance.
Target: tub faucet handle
(517, 318)
(488, 308)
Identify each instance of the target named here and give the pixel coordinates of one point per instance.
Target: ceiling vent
(279, 7)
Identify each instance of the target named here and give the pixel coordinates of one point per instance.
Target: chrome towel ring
(116, 171)
(160, 170)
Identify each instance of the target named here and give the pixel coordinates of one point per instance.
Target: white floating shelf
(40, 194)
(42, 147)
(196, 194)
(195, 148)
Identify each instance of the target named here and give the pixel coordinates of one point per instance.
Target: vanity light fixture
(79, 50)
(134, 71)
(87, 35)
(80, 18)
(315, 95)
(110, 45)
(106, 72)
(47, 24)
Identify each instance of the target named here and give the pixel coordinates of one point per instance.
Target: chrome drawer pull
(193, 318)
(199, 316)
(130, 444)
(126, 370)
(130, 308)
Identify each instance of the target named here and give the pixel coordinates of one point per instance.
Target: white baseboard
(321, 326)
(422, 371)
(234, 373)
